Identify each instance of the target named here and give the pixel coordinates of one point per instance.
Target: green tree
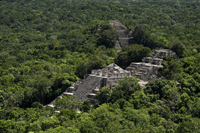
(129, 85)
(171, 68)
(125, 88)
(178, 47)
(65, 102)
(187, 127)
(140, 36)
(86, 106)
(101, 33)
(37, 105)
(133, 53)
(50, 123)
(104, 95)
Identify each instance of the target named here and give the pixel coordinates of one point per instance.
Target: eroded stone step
(93, 101)
(71, 88)
(95, 91)
(87, 87)
(142, 73)
(145, 67)
(67, 93)
(91, 95)
(138, 76)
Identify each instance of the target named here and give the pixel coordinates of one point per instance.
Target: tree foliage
(46, 46)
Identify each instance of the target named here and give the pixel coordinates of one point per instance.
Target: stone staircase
(140, 70)
(125, 38)
(84, 89)
(147, 69)
(87, 87)
(164, 52)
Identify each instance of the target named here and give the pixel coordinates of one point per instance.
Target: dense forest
(47, 45)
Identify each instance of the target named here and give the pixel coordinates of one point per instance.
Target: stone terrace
(147, 69)
(125, 37)
(90, 85)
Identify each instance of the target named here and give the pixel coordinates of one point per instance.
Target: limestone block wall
(110, 75)
(164, 52)
(152, 60)
(147, 69)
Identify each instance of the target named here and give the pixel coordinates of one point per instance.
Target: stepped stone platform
(90, 85)
(125, 37)
(147, 69)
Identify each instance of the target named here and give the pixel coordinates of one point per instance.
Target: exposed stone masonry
(125, 37)
(147, 69)
(88, 87)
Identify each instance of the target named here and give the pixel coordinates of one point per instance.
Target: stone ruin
(147, 69)
(125, 35)
(88, 87)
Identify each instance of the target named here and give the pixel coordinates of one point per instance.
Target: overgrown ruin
(88, 87)
(125, 35)
(145, 71)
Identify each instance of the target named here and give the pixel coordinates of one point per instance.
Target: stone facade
(164, 52)
(147, 69)
(143, 71)
(88, 87)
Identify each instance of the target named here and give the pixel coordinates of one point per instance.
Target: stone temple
(90, 85)
(146, 70)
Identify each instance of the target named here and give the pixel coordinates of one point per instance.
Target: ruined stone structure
(90, 85)
(125, 37)
(147, 69)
